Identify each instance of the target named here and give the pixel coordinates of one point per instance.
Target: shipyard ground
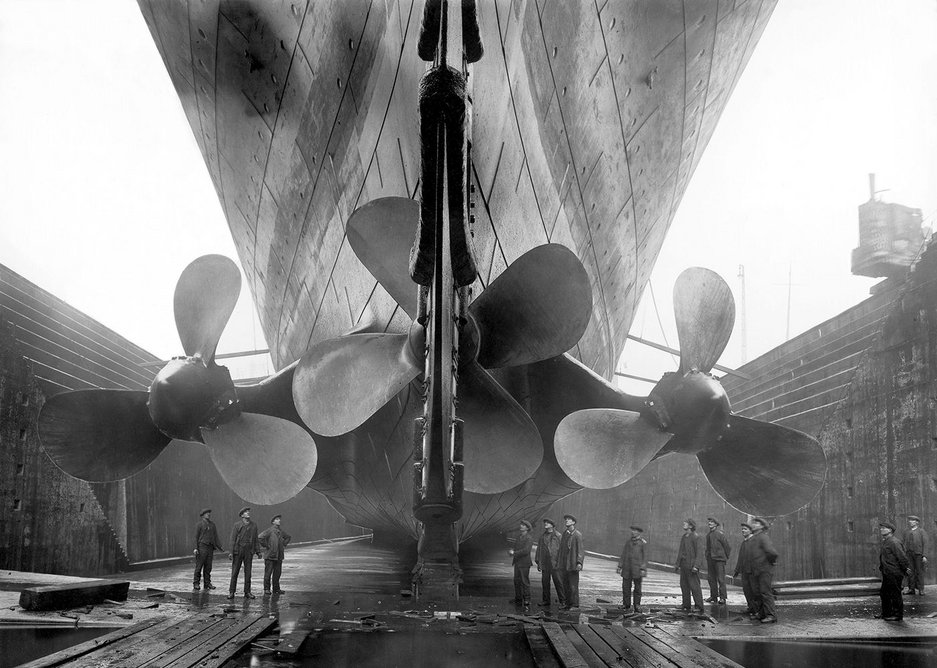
(351, 598)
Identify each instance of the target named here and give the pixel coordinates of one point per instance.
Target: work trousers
(689, 584)
(716, 574)
(764, 595)
(522, 584)
(272, 569)
(748, 588)
(892, 603)
(571, 588)
(239, 556)
(916, 579)
(546, 575)
(203, 559)
(626, 584)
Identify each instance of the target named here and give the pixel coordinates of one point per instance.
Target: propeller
(106, 435)
(758, 467)
(523, 316)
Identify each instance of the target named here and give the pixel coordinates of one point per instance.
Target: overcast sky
(106, 197)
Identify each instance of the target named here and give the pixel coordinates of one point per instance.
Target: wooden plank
(145, 646)
(590, 657)
(605, 652)
(236, 643)
(540, 650)
(199, 644)
(677, 657)
(66, 655)
(565, 652)
(692, 648)
(73, 594)
(291, 641)
(636, 653)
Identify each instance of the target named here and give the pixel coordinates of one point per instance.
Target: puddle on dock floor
(426, 649)
(21, 645)
(797, 654)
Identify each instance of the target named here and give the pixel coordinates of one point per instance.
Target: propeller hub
(693, 406)
(187, 395)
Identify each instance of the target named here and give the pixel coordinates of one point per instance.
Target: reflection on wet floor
(759, 653)
(26, 644)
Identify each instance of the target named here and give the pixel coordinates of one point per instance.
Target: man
(763, 557)
(521, 560)
(717, 554)
(689, 564)
(632, 567)
(243, 547)
(206, 542)
(548, 551)
(569, 561)
(894, 564)
(915, 542)
(743, 568)
(273, 540)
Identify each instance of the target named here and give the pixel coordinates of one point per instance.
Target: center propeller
(757, 467)
(525, 315)
(106, 435)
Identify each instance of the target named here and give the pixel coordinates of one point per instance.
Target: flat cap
(202, 512)
(570, 517)
(243, 510)
(690, 522)
(714, 521)
(526, 524)
(747, 526)
(547, 520)
(887, 525)
(275, 517)
(635, 527)
(914, 517)
(763, 522)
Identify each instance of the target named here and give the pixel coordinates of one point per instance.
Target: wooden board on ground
(565, 652)
(591, 658)
(73, 594)
(290, 641)
(635, 653)
(77, 651)
(540, 649)
(692, 648)
(602, 649)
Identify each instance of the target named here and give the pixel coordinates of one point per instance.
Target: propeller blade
(536, 309)
(601, 448)
(764, 469)
(381, 233)
(100, 435)
(502, 447)
(263, 459)
(341, 382)
(205, 296)
(705, 312)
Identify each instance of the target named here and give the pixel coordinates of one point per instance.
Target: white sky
(106, 197)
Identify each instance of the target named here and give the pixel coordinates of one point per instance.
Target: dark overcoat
(633, 558)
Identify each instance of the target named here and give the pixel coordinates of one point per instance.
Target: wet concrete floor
(350, 594)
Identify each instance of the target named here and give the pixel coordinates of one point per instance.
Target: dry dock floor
(344, 606)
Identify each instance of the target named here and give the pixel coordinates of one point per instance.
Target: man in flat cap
(272, 541)
(569, 561)
(717, 554)
(915, 542)
(763, 557)
(894, 565)
(689, 564)
(206, 542)
(548, 552)
(243, 548)
(743, 569)
(632, 566)
(520, 558)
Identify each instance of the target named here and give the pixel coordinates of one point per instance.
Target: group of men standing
(898, 559)
(245, 542)
(559, 560)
